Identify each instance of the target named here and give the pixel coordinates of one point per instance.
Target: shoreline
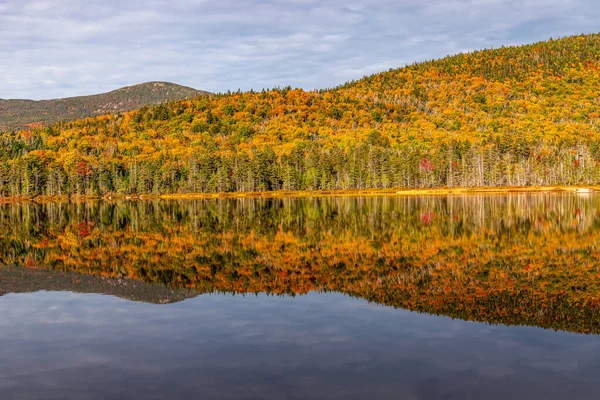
(302, 194)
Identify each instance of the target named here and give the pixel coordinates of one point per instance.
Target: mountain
(20, 114)
(513, 116)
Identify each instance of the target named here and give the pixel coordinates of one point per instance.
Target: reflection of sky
(56, 345)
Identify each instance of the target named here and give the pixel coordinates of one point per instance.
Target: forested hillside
(28, 114)
(513, 116)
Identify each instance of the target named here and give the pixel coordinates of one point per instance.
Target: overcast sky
(60, 48)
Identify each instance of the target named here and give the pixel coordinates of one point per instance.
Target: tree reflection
(511, 259)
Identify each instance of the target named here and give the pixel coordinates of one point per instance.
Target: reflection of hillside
(527, 260)
(25, 280)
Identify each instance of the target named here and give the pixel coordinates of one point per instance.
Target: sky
(60, 48)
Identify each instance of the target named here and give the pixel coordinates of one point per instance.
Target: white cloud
(59, 48)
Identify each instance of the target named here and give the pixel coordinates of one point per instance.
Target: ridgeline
(29, 114)
(515, 116)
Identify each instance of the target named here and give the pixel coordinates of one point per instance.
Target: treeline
(515, 116)
(311, 167)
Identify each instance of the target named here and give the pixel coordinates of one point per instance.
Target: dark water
(477, 297)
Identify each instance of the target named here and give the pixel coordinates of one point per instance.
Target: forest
(514, 116)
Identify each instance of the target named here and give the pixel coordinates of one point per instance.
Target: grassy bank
(303, 194)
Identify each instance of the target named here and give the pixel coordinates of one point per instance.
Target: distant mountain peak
(23, 114)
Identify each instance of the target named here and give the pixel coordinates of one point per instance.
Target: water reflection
(76, 346)
(271, 299)
(511, 259)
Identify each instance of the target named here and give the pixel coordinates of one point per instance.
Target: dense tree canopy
(514, 116)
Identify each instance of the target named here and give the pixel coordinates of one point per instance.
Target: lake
(434, 297)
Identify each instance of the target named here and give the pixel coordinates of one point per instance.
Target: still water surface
(349, 298)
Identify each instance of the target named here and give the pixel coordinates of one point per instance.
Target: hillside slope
(19, 114)
(517, 116)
